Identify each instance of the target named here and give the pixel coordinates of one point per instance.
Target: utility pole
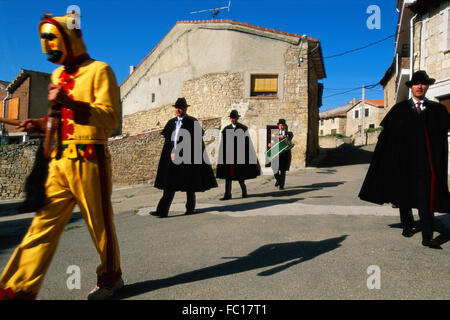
(363, 113)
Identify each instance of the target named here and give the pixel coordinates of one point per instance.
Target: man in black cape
(282, 163)
(410, 163)
(184, 164)
(237, 157)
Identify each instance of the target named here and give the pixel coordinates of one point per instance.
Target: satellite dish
(214, 11)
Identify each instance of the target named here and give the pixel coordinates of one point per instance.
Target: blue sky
(122, 33)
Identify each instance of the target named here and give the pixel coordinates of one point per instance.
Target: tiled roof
(375, 102)
(247, 25)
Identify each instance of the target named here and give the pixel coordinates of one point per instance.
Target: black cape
(237, 157)
(393, 173)
(191, 170)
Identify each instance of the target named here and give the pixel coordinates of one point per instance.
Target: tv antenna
(214, 11)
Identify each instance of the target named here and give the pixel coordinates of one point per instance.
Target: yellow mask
(61, 43)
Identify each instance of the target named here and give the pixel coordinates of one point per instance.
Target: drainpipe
(4, 116)
(411, 49)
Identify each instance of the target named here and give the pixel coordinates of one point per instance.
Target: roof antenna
(214, 11)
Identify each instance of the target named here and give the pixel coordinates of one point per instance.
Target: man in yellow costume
(88, 94)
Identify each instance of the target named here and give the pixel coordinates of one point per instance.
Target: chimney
(132, 69)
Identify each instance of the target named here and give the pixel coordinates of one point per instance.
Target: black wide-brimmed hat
(420, 77)
(181, 103)
(234, 114)
(282, 121)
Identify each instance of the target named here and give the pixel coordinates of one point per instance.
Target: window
(13, 108)
(332, 120)
(366, 113)
(371, 126)
(264, 85)
(153, 97)
(321, 132)
(321, 122)
(356, 114)
(333, 131)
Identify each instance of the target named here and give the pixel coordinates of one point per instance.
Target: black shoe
(159, 215)
(432, 243)
(408, 233)
(276, 184)
(281, 187)
(245, 195)
(189, 212)
(226, 197)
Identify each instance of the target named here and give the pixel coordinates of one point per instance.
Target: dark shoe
(226, 197)
(276, 184)
(188, 212)
(159, 215)
(408, 233)
(245, 195)
(432, 243)
(281, 187)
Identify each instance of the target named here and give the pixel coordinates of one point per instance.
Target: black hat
(420, 77)
(282, 121)
(181, 103)
(234, 114)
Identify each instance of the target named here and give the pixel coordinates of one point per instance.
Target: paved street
(314, 240)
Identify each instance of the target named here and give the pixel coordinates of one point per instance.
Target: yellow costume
(82, 175)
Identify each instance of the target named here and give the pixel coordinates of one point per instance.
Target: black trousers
(423, 206)
(280, 176)
(228, 187)
(167, 198)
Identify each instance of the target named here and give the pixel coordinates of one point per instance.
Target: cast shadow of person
(277, 256)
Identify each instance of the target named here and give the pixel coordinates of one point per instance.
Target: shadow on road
(9, 209)
(277, 256)
(345, 155)
(13, 231)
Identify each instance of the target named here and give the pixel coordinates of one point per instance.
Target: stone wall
(16, 162)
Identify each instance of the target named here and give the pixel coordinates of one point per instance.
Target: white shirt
(177, 130)
(422, 107)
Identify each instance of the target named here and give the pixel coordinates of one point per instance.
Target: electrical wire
(360, 48)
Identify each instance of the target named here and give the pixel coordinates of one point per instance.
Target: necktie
(418, 107)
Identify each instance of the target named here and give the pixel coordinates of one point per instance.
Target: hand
(281, 136)
(57, 94)
(32, 125)
(269, 145)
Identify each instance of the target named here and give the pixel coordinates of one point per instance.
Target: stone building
(334, 121)
(422, 43)
(24, 97)
(220, 65)
(371, 116)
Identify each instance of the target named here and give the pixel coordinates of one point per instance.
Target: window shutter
(13, 108)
